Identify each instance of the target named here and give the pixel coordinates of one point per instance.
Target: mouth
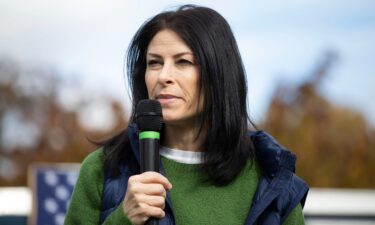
(166, 98)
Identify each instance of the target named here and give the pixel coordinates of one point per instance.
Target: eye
(184, 62)
(153, 63)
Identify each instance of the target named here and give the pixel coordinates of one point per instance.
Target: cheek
(149, 83)
(194, 96)
(199, 96)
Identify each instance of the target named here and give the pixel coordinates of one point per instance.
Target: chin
(169, 120)
(169, 115)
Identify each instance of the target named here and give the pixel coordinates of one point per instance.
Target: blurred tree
(35, 126)
(335, 146)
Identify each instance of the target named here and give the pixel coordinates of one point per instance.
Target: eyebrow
(175, 56)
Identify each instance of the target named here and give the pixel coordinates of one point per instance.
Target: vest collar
(271, 156)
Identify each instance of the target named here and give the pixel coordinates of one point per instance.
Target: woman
(214, 170)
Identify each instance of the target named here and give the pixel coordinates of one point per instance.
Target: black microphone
(149, 119)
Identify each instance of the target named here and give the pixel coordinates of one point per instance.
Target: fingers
(143, 212)
(151, 177)
(151, 200)
(148, 189)
(145, 197)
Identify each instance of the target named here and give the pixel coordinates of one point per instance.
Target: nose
(166, 74)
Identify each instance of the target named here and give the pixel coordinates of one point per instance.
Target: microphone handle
(152, 221)
(149, 154)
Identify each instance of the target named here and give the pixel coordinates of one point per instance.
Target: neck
(183, 138)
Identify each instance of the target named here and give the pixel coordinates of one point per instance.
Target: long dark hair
(222, 79)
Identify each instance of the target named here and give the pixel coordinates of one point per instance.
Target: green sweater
(192, 200)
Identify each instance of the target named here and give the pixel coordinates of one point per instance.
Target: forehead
(167, 41)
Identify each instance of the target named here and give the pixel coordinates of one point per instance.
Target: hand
(145, 197)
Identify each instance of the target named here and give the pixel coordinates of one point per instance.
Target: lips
(166, 98)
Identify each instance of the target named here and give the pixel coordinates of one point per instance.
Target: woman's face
(172, 78)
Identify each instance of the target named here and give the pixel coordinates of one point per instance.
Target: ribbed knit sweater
(194, 202)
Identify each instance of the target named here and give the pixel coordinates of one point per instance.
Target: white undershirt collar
(182, 156)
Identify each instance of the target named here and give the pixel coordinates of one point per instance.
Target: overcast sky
(278, 40)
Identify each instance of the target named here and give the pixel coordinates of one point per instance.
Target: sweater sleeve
(116, 216)
(295, 217)
(85, 204)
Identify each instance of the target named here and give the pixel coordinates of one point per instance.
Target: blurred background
(310, 68)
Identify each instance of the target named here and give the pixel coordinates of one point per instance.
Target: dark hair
(222, 79)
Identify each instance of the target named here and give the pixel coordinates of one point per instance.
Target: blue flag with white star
(52, 191)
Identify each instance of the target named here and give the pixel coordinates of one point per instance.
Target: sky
(280, 41)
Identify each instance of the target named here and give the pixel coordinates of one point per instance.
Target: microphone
(149, 119)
